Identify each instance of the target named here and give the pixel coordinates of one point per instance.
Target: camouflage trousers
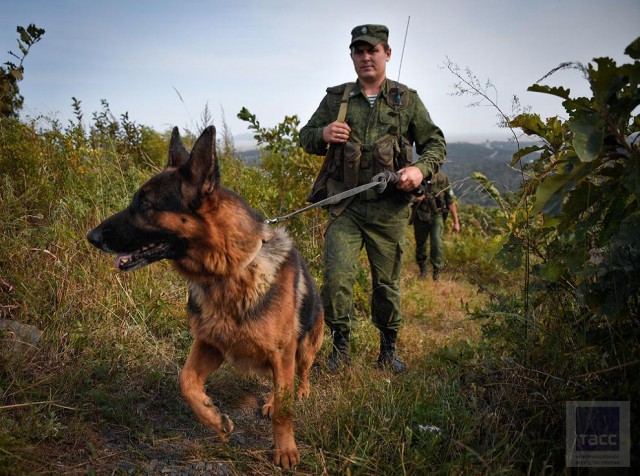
(432, 231)
(379, 227)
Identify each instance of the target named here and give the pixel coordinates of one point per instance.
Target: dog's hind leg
(286, 454)
(203, 360)
(306, 355)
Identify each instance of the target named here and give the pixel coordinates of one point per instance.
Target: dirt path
(175, 443)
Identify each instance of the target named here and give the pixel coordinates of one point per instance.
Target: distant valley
(490, 159)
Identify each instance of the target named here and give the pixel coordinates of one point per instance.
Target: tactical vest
(354, 163)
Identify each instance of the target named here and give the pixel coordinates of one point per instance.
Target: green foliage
(107, 131)
(569, 237)
(289, 171)
(472, 256)
(55, 187)
(11, 73)
(578, 214)
(585, 184)
(287, 174)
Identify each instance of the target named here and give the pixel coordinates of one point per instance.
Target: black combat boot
(339, 351)
(388, 357)
(423, 271)
(436, 273)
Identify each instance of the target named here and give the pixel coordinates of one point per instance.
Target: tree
(10, 74)
(287, 173)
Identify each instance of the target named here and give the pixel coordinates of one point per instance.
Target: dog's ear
(178, 155)
(203, 164)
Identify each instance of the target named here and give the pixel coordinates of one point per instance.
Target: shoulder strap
(344, 102)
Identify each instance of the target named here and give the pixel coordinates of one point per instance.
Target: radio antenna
(398, 97)
(403, 45)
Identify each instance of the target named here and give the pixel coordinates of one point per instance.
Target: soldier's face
(370, 62)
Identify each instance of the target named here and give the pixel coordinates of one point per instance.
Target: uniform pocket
(384, 151)
(352, 151)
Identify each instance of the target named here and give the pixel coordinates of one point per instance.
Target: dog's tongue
(120, 260)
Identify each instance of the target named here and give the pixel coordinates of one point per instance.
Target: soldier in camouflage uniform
(430, 211)
(384, 120)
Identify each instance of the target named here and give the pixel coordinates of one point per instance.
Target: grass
(98, 394)
(102, 392)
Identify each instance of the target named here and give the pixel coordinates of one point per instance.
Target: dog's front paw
(226, 427)
(267, 408)
(304, 391)
(287, 458)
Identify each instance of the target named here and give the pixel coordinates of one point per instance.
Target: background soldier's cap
(371, 34)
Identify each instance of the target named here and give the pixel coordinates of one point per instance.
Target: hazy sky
(277, 57)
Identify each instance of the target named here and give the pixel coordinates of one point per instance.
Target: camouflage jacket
(409, 122)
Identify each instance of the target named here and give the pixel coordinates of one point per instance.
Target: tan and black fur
(252, 301)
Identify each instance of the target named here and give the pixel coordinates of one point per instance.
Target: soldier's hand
(410, 178)
(336, 133)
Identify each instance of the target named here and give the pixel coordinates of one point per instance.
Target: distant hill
(489, 158)
(250, 157)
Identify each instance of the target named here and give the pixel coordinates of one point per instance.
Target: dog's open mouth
(142, 257)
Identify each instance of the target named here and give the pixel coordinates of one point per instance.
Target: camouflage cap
(371, 34)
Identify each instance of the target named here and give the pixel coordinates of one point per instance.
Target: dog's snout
(95, 237)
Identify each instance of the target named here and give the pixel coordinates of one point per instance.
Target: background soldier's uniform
(381, 138)
(428, 222)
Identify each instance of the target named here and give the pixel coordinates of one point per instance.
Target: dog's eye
(144, 204)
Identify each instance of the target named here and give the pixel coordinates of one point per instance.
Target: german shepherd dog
(252, 301)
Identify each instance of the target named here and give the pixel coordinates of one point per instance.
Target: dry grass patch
(436, 312)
